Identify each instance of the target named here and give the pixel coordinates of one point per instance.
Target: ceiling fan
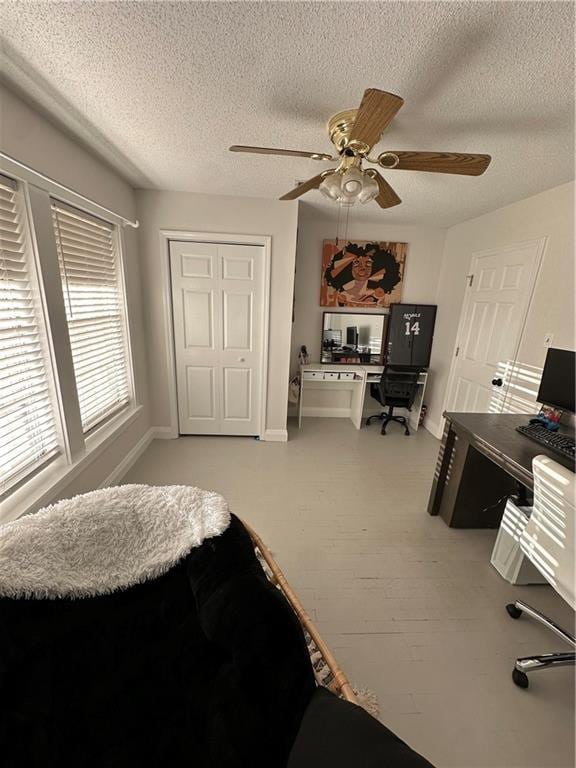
(354, 132)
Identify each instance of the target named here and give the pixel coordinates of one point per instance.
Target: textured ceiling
(162, 89)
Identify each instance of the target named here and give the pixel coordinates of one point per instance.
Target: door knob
(240, 359)
(497, 382)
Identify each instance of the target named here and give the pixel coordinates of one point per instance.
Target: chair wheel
(513, 612)
(406, 434)
(520, 678)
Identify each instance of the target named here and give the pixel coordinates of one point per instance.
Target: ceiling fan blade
(386, 198)
(440, 162)
(375, 112)
(271, 151)
(312, 183)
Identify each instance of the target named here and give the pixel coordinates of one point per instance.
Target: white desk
(324, 377)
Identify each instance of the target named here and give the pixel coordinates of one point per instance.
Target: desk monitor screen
(557, 383)
(351, 336)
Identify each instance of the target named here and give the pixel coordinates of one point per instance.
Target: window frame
(117, 246)
(78, 449)
(45, 338)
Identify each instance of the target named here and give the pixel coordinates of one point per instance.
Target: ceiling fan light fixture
(370, 189)
(331, 186)
(352, 182)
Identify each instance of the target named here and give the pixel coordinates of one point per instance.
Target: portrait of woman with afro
(362, 274)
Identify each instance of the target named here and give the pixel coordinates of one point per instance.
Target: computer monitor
(557, 383)
(352, 336)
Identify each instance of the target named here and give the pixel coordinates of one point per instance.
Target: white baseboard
(434, 429)
(130, 459)
(168, 433)
(164, 433)
(275, 436)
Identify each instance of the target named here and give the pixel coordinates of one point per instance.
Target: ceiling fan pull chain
(338, 225)
(347, 220)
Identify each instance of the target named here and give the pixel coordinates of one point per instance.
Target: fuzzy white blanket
(106, 540)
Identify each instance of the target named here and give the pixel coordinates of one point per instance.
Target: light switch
(548, 339)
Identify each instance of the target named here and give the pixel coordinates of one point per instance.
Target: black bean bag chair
(339, 734)
(135, 632)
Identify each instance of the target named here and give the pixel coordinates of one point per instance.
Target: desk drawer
(347, 376)
(313, 374)
(331, 375)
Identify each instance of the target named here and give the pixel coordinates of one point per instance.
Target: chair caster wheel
(406, 434)
(513, 612)
(520, 678)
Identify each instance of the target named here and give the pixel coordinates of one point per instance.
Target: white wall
(226, 215)
(423, 262)
(549, 214)
(29, 137)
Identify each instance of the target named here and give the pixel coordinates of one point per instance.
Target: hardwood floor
(411, 608)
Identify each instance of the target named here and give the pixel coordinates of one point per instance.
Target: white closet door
(218, 311)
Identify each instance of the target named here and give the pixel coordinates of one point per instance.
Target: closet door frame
(166, 235)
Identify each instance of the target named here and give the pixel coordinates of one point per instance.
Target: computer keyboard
(554, 441)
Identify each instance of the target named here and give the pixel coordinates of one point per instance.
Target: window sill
(45, 485)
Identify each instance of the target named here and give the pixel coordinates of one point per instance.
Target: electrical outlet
(548, 339)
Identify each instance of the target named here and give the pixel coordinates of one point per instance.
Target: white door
(218, 312)
(495, 306)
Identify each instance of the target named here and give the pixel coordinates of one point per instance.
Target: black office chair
(396, 389)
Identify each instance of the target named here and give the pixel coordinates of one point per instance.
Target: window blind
(91, 281)
(28, 432)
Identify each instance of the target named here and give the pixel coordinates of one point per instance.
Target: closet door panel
(196, 317)
(218, 315)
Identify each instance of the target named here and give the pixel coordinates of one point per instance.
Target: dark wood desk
(481, 460)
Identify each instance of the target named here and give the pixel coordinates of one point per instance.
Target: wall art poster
(363, 273)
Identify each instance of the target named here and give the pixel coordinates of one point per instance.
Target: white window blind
(28, 432)
(92, 286)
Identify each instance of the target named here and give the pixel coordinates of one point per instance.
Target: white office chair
(548, 541)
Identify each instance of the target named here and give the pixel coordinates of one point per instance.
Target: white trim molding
(154, 433)
(164, 433)
(129, 460)
(166, 235)
(49, 482)
(275, 436)
(433, 428)
(13, 167)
